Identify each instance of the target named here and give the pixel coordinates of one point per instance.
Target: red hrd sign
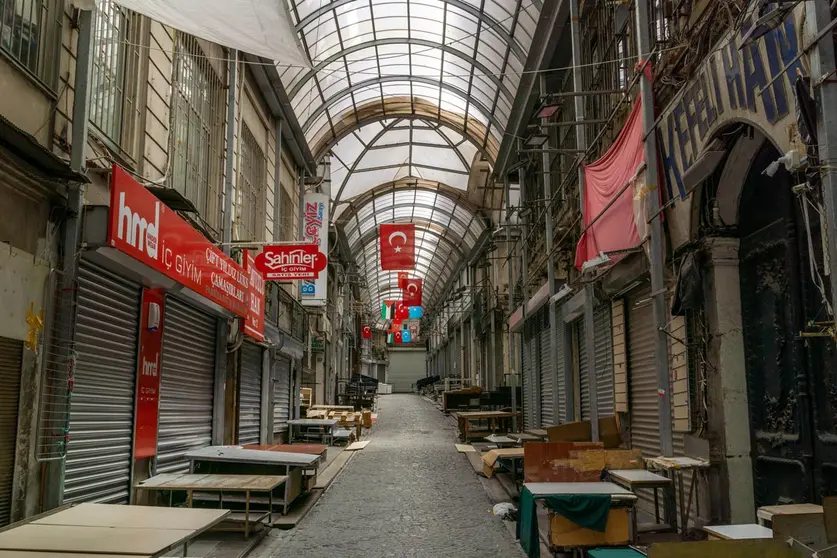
(145, 229)
(291, 262)
(148, 373)
(254, 323)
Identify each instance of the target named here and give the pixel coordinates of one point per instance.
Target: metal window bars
(30, 34)
(197, 122)
(114, 81)
(250, 195)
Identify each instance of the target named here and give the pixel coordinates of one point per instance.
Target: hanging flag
(414, 331)
(402, 311)
(367, 332)
(411, 292)
(405, 336)
(398, 337)
(390, 338)
(387, 309)
(416, 312)
(398, 246)
(403, 277)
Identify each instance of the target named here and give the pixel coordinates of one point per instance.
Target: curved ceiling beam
(470, 9)
(419, 184)
(375, 112)
(500, 84)
(463, 95)
(451, 216)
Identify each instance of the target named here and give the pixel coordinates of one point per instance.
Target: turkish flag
(403, 277)
(397, 336)
(367, 332)
(402, 311)
(398, 246)
(412, 292)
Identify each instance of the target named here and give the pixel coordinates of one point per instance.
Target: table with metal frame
(177, 482)
(327, 427)
(498, 422)
(633, 479)
(674, 467)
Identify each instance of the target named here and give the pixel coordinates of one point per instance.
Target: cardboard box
(564, 533)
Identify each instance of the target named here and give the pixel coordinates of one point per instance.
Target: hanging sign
(144, 228)
(148, 374)
(315, 231)
(254, 322)
(291, 262)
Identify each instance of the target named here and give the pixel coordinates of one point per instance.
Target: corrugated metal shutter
(642, 378)
(187, 384)
(604, 361)
(583, 369)
(11, 361)
(98, 462)
(250, 394)
(528, 373)
(546, 393)
(281, 394)
(561, 389)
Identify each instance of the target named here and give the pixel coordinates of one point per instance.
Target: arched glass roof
(404, 95)
(447, 228)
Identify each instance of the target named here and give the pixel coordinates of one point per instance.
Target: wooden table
(523, 437)
(633, 479)
(219, 484)
(104, 529)
(498, 421)
(738, 532)
(325, 429)
(765, 513)
(674, 467)
(234, 460)
(802, 522)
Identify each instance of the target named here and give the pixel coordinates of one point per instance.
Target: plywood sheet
(35, 554)
(231, 483)
(739, 532)
(552, 462)
(356, 446)
(829, 508)
(609, 432)
(137, 517)
(764, 548)
(92, 540)
(462, 448)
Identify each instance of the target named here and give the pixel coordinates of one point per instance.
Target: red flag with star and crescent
(403, 277)
(398, 246)
(411, 292)
(367, 332)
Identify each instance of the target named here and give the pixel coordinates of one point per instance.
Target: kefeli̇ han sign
(315, 231)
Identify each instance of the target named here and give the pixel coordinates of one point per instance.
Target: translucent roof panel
(390, 150)
(447, 228)
(461, 57)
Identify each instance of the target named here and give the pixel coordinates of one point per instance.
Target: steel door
(547, 380)
(583, 369)
(604, 361)
(281, 395)
(250, 394)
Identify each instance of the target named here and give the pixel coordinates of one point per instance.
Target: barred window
(250, 202)
(286, 217)
(198, 118)
(30, 34)
(113, 108)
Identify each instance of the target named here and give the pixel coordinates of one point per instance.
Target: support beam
(514, 374)
(229, 169)
(658, 287)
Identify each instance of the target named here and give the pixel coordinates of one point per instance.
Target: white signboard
(315, 229)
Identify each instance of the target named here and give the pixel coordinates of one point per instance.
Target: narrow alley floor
(408, 494)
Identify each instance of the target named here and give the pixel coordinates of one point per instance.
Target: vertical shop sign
(315, 230)
(148, 373)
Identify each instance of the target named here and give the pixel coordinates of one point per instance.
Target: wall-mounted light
(601, 260)
(536, 140)
(767, 22)
(548, 110)
(562, 293)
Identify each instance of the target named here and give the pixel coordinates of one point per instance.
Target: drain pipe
(229, 182)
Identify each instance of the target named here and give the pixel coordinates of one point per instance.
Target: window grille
(250, 202)
(286, 217)
(116, 59)
(30, 34)
(198, 118)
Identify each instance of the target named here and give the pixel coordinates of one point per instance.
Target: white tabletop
(639, 476)
(230, 454)
(556, 488)
(739, 532)
(314, 422)
(133, 517)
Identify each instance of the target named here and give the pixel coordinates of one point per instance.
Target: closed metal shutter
(98, 461)
(187, 384)
(250, 394)
(583, 370)
(528, 388)
(642, 378)
(281, 394)
(546, 385)
(604, 361)
(561, 388)
(11, 361)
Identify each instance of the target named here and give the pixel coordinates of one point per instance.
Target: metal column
(512, 344)
(229, 179)
(823, 66)
(550, 264)
(658, 288)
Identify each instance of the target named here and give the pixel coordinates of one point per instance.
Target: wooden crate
(563, 533)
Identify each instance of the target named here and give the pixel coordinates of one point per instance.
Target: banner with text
(148, 374)
(315, 230)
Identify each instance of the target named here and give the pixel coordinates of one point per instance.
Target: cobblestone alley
(408, 494)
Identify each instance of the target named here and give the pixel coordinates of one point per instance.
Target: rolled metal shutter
(642, 379)
(546, 385)
(604, 361)
(528, 396)
(560, 388)
(99, 453)
(281, 394)
(11, 361)
(250, 394)
(583, 370)
(187, 384)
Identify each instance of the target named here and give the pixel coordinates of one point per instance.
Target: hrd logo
(137, 231)
(151, 367)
